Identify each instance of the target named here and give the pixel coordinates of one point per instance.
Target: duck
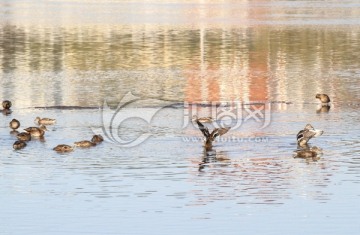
(36, 131)
(19, 145)
(6, 104)
(97, 139)
(203, 119)
(24, 136)
(45, 121)
(324, 98)
(306, 134)
(63, 148)
(14, 124)
(84, 144)
(312, 152)
(210, 137)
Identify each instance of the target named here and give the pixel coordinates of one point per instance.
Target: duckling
(24, 136)
(14, 124)
(19, 145)
(313, 152)
(45, 121)
(84, 144)
(97, 139)
(63, 148)
(324, 98)
(36, 131)
(203, 119)
(6, 104)
(305, 135)
(210, 137)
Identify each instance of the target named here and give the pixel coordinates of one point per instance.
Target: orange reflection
(258, 77)
(202, 88)
(211, 86)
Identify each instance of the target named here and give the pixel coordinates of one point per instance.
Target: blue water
(156, 64)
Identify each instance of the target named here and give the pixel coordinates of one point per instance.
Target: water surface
(63, 59)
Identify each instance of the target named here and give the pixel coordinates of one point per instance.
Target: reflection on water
(177, 63)
(67, 57)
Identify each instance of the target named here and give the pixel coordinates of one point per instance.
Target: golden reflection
(210, 58)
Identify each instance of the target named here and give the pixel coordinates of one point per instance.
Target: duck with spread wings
(210, 137)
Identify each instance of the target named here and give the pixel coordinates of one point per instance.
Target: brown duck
(210, 137)
(84, 144)
(19, 145)
(14, 124)
(97, 139)
(6, 104)
(63, 148)
(36, 131)
(45, 121)
(23, 136)
(305, 135)
(324, 98)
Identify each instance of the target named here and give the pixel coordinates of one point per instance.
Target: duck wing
(203, 129)
(219, 132)
(308, 134)
(300, 135)
(223, 131)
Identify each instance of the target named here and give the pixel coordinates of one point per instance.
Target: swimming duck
(312, 152)
(203, 119)
(24, 136)
(305, 135)
(63, 148)
(19, 145)
(14, 124)
(36, 131)
(45, 121)
(324, 98)
(84, 144)
(97, 139)
(210, 137)
(6, 104)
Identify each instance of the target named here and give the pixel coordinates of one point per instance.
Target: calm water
(171, 60)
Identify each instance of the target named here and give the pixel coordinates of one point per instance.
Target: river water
(136, 72)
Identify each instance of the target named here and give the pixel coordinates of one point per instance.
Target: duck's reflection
(247, 179)
(6, 112)
(213, 158)
(14, 132)
(39, 138)
(308, 153)
(323, 109)
(6, 104)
